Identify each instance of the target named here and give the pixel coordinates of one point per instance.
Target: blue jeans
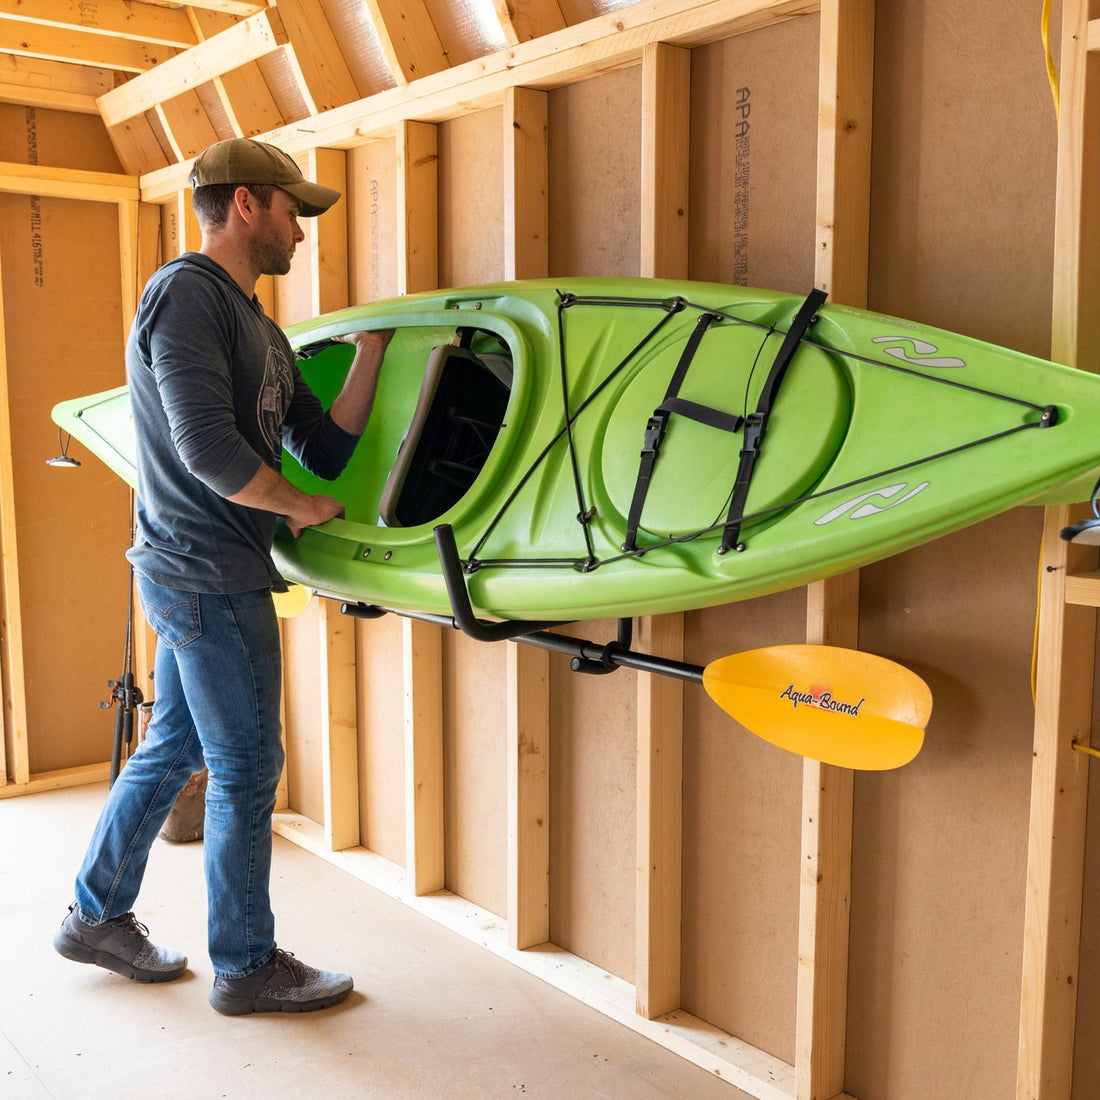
(218, 676)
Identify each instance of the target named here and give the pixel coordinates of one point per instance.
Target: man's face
(276, 233)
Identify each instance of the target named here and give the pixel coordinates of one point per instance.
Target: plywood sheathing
(58, 225)
(471, 194)
(594, 212)
(752, 196)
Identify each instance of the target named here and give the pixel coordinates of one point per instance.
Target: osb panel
(475, 792)
(594, 195)
(380, 701)
(742, 801)
(753, 158)
(55, 139)
(172, 234)
(939, 860)
(471, 199)
(962, 201)
(63, 328)
(372, 222)
(593, 776)
(302, 710)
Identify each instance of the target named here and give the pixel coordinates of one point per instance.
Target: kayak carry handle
(459, 598)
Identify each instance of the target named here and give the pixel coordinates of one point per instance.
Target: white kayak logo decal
(864, 505)
(927, 355)
(820, 696)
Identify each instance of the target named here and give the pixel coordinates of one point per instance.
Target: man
(216, 396)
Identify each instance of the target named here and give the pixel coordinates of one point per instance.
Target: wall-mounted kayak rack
(586, 656)
(840, 706)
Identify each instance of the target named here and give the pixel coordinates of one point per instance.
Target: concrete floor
(432, 1015)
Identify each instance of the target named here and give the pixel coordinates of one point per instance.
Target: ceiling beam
(228, 50)
(244, 93)
(104, 51)
(242, 8)
(32, 82)
(140, 22)
(600, 45)
(34, 179)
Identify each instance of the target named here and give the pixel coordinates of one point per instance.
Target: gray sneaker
(285, 984)
(120, 944)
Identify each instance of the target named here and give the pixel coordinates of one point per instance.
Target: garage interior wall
(704, 159)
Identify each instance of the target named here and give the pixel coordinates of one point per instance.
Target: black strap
(757, 422)
(658, 423)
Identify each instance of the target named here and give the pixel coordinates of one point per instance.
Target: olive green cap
(244, 161)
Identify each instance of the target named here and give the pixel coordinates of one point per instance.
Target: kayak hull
(519, 415)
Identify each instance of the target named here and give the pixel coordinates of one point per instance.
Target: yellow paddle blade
(840, 706)
(292, 602)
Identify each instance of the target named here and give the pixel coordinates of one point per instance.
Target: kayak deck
(586, 444)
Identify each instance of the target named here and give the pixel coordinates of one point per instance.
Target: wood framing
(339, 732)
(122, 192)
(12, 674)
(408, 38)
(318, 58)
(526, 241)
(528, 723)
(417, 217)
(666, 98)
(423, 665)
(599, 45)
(214, 57)
(832, 613)
(666, 102)
(1065, 653)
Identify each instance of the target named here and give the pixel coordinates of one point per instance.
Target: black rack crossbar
(580, 649)
(587, 656)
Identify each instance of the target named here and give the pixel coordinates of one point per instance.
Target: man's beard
(269, 255)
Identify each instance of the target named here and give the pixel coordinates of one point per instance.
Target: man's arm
(351, 408)
(350, 411)
(272, 492)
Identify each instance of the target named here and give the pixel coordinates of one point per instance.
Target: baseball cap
(242, 160)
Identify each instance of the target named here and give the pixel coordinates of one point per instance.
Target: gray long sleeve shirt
(215, 392)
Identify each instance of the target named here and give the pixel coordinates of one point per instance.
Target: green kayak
(594, 448)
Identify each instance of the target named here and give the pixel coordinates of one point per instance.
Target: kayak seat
(459, 412)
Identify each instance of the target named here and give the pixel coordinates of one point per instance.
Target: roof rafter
(408, 38)
(522, 20)
(139, 22)
(225, 51)
(229, 7)
(82, 47)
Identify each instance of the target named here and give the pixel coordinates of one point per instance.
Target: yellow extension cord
(1052, 72)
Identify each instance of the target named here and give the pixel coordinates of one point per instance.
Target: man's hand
(314, 510)
(273, 493)
(373, 343)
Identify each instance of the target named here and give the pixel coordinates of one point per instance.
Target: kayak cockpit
(438, 410)
(458, 415)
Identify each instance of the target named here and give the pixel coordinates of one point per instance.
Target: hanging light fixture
(62, 459)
